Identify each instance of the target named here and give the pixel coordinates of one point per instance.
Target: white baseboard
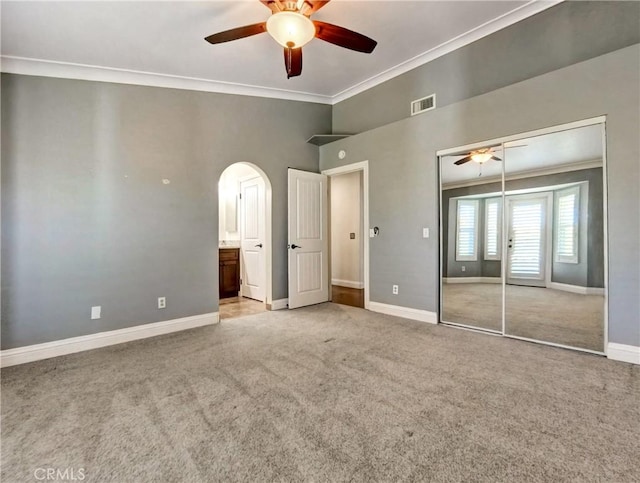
(472, 279)
(279, 304)
(565, 287)
(623, 352)
(404, 312)
(36, 352)
(347, 283)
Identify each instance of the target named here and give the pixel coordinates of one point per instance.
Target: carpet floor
(533, 312)
(324, 393)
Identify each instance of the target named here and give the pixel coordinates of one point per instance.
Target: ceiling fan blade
(237, 33)
(271, 5)
(315, 6)
(293, 62)
(466, 159)
(344, 37)
(495, 158)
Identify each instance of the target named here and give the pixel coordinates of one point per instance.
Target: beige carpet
(325, 393)
(533, 312)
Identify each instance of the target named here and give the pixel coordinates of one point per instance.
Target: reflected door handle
(259, 245)
(294, 246)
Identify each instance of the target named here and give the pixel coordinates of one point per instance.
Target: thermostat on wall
(342, 154)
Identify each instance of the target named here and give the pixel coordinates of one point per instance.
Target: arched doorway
(244, 237)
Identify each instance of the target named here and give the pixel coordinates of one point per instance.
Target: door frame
(346, 169)
(598, 120)
(268, 228)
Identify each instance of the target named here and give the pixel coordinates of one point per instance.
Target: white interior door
(252, 239)
(527, 239)
(308, 239)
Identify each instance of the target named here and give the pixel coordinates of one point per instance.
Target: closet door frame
(502, 141)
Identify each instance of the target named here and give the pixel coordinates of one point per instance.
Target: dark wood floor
(347, 296)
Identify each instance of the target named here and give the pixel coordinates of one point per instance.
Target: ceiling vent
(422, 105)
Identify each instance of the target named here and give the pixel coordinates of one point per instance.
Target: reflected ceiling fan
(479, 156)
(483, 155)
(290, 26)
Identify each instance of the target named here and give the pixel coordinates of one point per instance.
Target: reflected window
(567, 221)
(467, 230)
(492, 224)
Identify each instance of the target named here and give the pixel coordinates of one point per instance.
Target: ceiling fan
(290, 26)
(483, 155)
(479, 156)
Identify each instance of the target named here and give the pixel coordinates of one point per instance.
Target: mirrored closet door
(554, 232)
(471, 202)
(523, 237)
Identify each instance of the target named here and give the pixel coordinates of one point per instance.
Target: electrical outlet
(463, 268)
(96, 312)
(162, 302)
(425, 233)
(395, 290)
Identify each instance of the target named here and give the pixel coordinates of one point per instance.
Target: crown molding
(527, 10)
(68, 70)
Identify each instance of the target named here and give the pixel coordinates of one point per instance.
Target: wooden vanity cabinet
(229, 273)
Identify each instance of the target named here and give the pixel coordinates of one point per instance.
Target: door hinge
(240, 195)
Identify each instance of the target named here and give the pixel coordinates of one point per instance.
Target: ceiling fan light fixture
(291, 29)
(481, 157)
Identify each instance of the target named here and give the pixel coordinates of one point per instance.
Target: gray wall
(86, 219)
(588, 272)
(404, 182)
(562, 35)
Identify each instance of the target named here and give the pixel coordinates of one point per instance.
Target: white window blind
(467, 230)
(526, 239)
(492, 228)
(567, 221)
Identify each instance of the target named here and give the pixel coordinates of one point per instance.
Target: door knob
(294, 246)
(259, 245)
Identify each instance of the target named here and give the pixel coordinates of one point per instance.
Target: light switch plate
(372, 233)
(425, 233)
(96, 312)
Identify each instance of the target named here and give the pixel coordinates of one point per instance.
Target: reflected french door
(527, 239)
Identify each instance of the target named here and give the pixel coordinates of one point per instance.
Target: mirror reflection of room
(544, 234)
(555, 238)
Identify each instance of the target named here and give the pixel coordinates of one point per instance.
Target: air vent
(422, 105)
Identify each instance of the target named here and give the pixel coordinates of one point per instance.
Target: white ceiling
(571, 147)
(167, 38)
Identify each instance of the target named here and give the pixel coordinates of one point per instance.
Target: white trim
(350, 168)
(279, 304)
(68, 70)
(565, 287)
(524, 135)
(623, 352)
(22, 355)
(527, 174)
(527, 10)
(554, 344)
(347, 283)
(605, 219)
(471, 280)
(404, 312)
